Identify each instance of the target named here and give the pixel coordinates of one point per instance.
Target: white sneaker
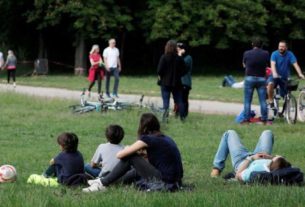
(95, 187)
(14, 84)
(97, 180)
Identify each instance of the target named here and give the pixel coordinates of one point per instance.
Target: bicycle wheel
(291, 109)
(301, 106)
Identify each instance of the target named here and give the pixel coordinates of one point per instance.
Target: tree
(87, 19)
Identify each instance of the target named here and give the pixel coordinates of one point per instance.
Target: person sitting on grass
(104, 158)
(67, 163)
(163, 170)
(245, 162)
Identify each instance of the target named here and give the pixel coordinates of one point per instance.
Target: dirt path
(201, 106)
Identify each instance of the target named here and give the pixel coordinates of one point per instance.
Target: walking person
(10, 65)
(171, 68)
(187, 78)
(113, 67)
(255, 62)
(95, 72)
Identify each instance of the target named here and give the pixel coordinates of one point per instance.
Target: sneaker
(268, 123)
(115, 95)
(91, 182)
(95, 187)
(215, 173)
(271, 105)
(108, 95)
(14, 85)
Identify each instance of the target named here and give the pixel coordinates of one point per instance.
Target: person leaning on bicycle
(281, 61)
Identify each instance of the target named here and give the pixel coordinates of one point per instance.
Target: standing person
(10, 65)
(170, 70)
(95, 71)
(67, 163)
(113, 67)
(255, 62)
(187, 78)
(164, 164)
(245, 162)
(281, 61)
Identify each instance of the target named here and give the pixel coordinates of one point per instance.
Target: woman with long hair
(170, 70)
(95, 72)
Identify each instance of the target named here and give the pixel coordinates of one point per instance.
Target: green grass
(30, 126)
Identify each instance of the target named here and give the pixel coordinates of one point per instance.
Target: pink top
(96, 57)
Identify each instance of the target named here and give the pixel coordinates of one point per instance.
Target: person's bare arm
(247, 162)
(131, 149)
(119, 64)
(298, 69)
(273, 69)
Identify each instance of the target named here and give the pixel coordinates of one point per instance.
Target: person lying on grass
(162, 171)
(67, 163)
(104, 158)
(245, 162)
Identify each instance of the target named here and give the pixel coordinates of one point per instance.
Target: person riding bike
(281, 61)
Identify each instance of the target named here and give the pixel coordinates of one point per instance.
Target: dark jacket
(170, 70)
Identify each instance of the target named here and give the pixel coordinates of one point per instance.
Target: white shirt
(111, 55)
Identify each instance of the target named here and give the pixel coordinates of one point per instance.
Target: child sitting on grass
(67, 163)
(104, 158)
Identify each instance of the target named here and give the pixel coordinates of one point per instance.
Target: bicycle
(301, 105)
(289, 108)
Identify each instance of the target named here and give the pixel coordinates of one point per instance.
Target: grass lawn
(30, 126)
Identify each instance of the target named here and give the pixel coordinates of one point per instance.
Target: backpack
(284, 176)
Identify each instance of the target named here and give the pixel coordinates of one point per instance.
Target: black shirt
(256, 61)
(164, 155)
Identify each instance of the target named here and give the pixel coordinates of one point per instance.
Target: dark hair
(68, 141)
(257, 42)
(149, 124)
(279, 163)
(170, 47)
(114, 134)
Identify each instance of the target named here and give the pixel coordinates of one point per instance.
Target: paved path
(201, 106)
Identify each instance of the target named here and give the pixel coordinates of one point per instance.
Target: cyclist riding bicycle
(281, 61)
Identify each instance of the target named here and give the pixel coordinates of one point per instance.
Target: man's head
(279, 162)
(257, 42)
(283, 47)
(111, 43)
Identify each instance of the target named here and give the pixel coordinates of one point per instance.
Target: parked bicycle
(288, 108)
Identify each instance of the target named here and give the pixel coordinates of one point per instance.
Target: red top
(96, 57)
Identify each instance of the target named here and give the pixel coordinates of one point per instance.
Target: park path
(201, 106)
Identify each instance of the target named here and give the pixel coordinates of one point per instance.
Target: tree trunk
(42, 52)
(80, 57)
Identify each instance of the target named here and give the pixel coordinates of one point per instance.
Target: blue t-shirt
(164, 155)
(68, 164)
(260, 165)
(256, 61)
(283, 62)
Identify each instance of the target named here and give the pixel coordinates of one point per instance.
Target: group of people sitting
(152, 163)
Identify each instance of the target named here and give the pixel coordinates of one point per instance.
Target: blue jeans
(230, 144)
(116, 73)
(258, 83)
(177, 95)
(94, 171)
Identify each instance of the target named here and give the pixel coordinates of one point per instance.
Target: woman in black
(170, 70)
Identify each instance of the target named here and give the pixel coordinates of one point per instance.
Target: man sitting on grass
(245, 162)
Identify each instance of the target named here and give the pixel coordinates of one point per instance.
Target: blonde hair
(94, 48)
(10, 52)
